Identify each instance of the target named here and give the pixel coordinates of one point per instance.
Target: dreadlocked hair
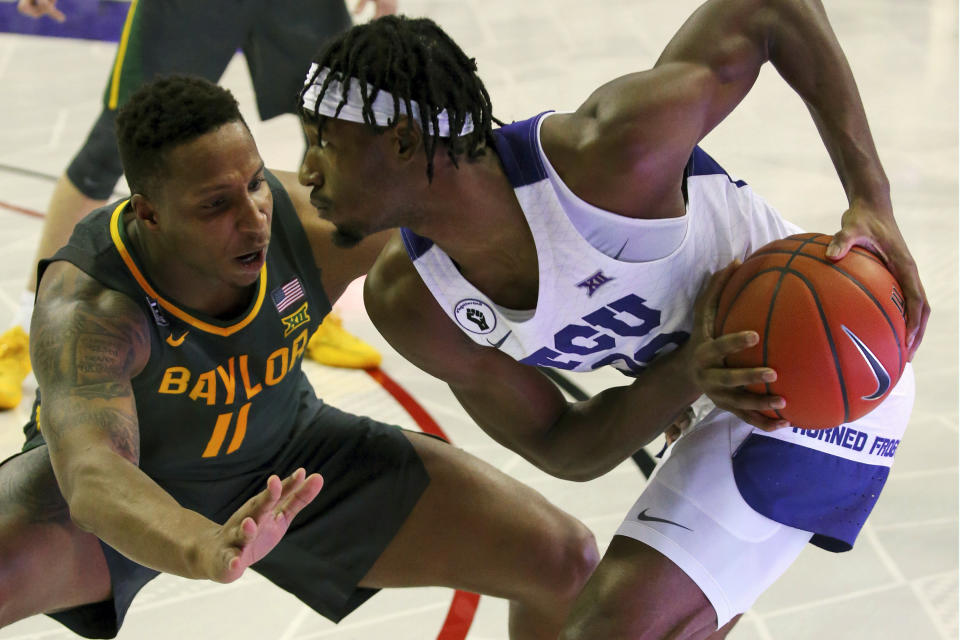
(166, 113)
(416, 61)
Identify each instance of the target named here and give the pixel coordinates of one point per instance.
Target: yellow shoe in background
(333, 346)
(14, 366)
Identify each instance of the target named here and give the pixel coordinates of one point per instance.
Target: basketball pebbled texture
(833, 331)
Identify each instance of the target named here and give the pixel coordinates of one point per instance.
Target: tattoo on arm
(101, 390)
(27, 484)
(87, 345)
(98, 358)
(119, 426)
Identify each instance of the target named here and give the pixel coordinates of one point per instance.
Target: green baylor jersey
(217, 399)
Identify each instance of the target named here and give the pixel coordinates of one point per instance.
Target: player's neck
(182, 285)
(474, 216)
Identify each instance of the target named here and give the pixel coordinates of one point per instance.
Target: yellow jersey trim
(169, 306)
(121, 55)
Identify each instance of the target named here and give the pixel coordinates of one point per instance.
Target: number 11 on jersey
(220, 432)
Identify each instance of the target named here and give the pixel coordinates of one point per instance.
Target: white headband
(352, 110)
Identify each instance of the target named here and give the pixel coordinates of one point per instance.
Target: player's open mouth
(252, 260)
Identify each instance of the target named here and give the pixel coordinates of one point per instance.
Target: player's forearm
(596, 435)
(804, 48)
(121, 505)
(582, 440)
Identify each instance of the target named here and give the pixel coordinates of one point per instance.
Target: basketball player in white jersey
(580, 240)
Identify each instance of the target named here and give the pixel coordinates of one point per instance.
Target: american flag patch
(286, 295)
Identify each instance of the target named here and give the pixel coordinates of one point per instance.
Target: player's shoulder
(393, 283)
(399, 302)
(69, 298)
(406, 313)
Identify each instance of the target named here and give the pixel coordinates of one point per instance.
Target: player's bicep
(407, 315)
(723, 44)
(703, 73)
(514, 403)
(86, 345)
(499, 393)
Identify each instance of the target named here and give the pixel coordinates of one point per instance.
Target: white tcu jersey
(593, 310)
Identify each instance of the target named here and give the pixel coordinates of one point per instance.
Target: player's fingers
(360, 7)
(230, 560)
(233, 568)
(761, 421)
(916, 306)
(245, 532)
(840, 244)
(742, 400)
(290, 486)
(266, 500)
(304, 495)
(292, 482)
(714, 351)
(918, 312)
(705, 307)
(734, 378)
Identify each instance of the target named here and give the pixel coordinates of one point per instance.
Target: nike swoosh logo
(617, 257)
(881, 375)
(643, 517)
(500, 342)
(176, 342)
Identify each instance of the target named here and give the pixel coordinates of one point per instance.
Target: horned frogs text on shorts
(738, 517)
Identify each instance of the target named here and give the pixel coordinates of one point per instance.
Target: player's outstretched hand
(255, 528)
(878, 231)
(725, 385)
(39, 8)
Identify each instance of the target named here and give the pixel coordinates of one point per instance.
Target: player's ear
(406, 138)
(144, 209)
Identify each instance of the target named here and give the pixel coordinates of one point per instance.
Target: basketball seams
(770, 313)
(766, 329)
(743, 287)
(819, 240)
(753, 296)
(830, 341)
(751, 278)
(804, 241)
(872, 298)
(782, 251)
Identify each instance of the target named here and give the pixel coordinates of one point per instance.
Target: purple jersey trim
(701, 164)
(416, 245)
(808, 489)
(519, 152)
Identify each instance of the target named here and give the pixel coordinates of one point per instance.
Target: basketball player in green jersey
(168, 340)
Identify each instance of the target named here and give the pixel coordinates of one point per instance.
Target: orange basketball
(833, 331)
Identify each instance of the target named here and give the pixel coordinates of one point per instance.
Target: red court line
(464, 606)
(460, 616)
(26, 212)
(410, 405)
